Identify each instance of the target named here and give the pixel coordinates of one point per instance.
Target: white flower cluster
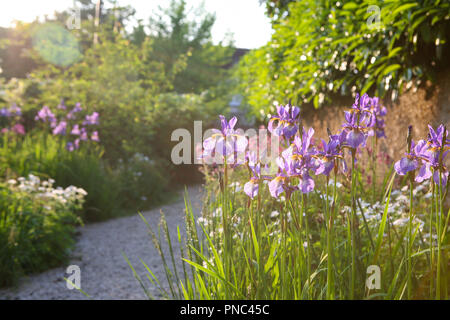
(139, 157)
(398, 210)
(45, 190)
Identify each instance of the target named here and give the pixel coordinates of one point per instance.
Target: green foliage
(15, 44)
(56, 45)
(176, 35)
(319, 49)
(46, 155)
(37, 225)
(143, 183)
(272, 255)
(143, 86)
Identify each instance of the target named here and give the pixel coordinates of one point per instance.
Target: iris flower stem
(283, 255)
(374, 167)
(353, 228)
(329, 262)
(439, 222)
(431, 238)
(225, 222)
(259, 234)
(330, 275)
(409, 248)
(308, 246)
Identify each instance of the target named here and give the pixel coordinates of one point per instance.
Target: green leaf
(350, 6)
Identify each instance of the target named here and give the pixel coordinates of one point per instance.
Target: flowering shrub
(65, 145)
(70, 124)
(37, 225)
(308, 224)
(10, 120)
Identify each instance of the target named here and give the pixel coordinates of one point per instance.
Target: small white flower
(203, 221)
(289, 218)
(338, 184)
(401, 222)
(347, 209)
(403, 198)
(12, 181)
(274, 214)
(82, 191)
(395, 193)
(217, 213)
(427, 236)
(236, 185)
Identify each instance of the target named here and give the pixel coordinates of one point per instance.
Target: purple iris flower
(427, 155)
(61, 105)
(295, 162)
(306, 183)
(4, 112)
(77, 108)
(327, 157)
(300, 152)
(83, 134)
(302, 157)
(280, 183)
(362, 104)
(354, 132)
(91, 119)
(15, 109)
(251, 188)
(413, 160)
(76, 143)
(60, 128)
(45, 114)
(69, 146)
(95, 137)
(225, 141)
(285, 123)
(435, 138)
(437, 148)
(75, 130)
(71, 114)
(375, 119)
(440, 172)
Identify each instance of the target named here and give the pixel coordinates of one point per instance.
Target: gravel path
(104, 272)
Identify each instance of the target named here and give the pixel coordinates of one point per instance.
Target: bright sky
(244, 18)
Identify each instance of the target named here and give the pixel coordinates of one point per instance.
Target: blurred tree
(15, 45)
(175, 34)
(17, 58)
(276, 9)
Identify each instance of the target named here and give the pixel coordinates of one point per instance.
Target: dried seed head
(409, 138)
